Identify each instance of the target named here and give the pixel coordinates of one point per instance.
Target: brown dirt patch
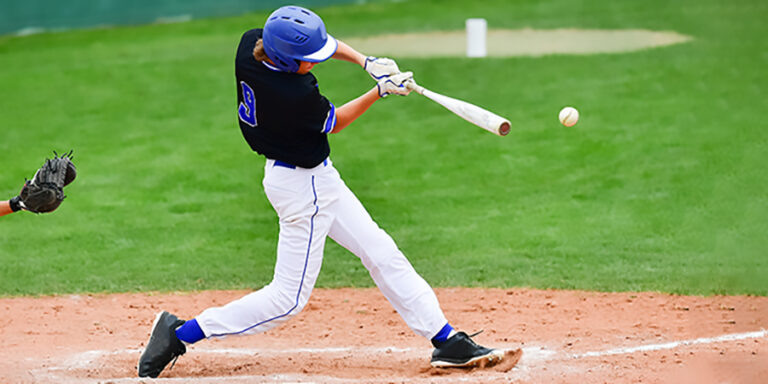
(354, 336)
(517, 42)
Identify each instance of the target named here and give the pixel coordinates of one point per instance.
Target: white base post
(477, 30)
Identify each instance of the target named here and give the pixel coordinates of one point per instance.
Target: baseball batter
(284, 117)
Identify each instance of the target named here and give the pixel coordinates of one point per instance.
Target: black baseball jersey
(282, 115)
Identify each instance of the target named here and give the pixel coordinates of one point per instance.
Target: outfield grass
(661, 186)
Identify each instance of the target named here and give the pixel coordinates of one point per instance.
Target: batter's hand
(380, 67)
(396, 84)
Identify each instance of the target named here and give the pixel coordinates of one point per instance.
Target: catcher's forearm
(5, 208)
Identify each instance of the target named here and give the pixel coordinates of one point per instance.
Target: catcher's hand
(45, 192)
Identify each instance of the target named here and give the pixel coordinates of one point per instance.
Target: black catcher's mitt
(45, 192)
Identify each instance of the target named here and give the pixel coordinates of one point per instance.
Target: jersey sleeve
(317, 113)
(330, 119)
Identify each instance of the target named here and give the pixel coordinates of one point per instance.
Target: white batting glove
(380, 67)
(395, 84)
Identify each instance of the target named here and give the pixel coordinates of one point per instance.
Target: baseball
(569, 116)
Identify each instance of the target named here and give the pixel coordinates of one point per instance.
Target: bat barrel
(469, 112)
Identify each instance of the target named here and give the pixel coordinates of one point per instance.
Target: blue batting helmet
(294, 33)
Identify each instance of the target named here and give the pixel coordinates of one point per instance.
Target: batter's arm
(350, 111)
(347, 53)
(378, 67)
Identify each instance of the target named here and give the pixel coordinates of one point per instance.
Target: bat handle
(415, 87)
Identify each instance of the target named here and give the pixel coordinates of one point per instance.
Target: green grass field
(661, 186)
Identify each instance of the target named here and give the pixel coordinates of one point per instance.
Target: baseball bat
(472, 113)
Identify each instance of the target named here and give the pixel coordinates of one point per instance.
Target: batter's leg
(412, 297)
(304, 224)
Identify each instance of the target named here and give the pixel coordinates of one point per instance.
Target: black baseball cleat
(162, 347)
(461, 352)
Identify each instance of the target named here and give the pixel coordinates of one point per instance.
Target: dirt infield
(517, 42)
(354, 336)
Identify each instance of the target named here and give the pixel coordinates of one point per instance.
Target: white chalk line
(293, 351)
(531, 356)
(675, 344)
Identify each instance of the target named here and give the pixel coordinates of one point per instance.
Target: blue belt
(279, 163)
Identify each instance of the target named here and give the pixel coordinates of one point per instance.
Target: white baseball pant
(312, 204)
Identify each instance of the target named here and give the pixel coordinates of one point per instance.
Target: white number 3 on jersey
(247, 109)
